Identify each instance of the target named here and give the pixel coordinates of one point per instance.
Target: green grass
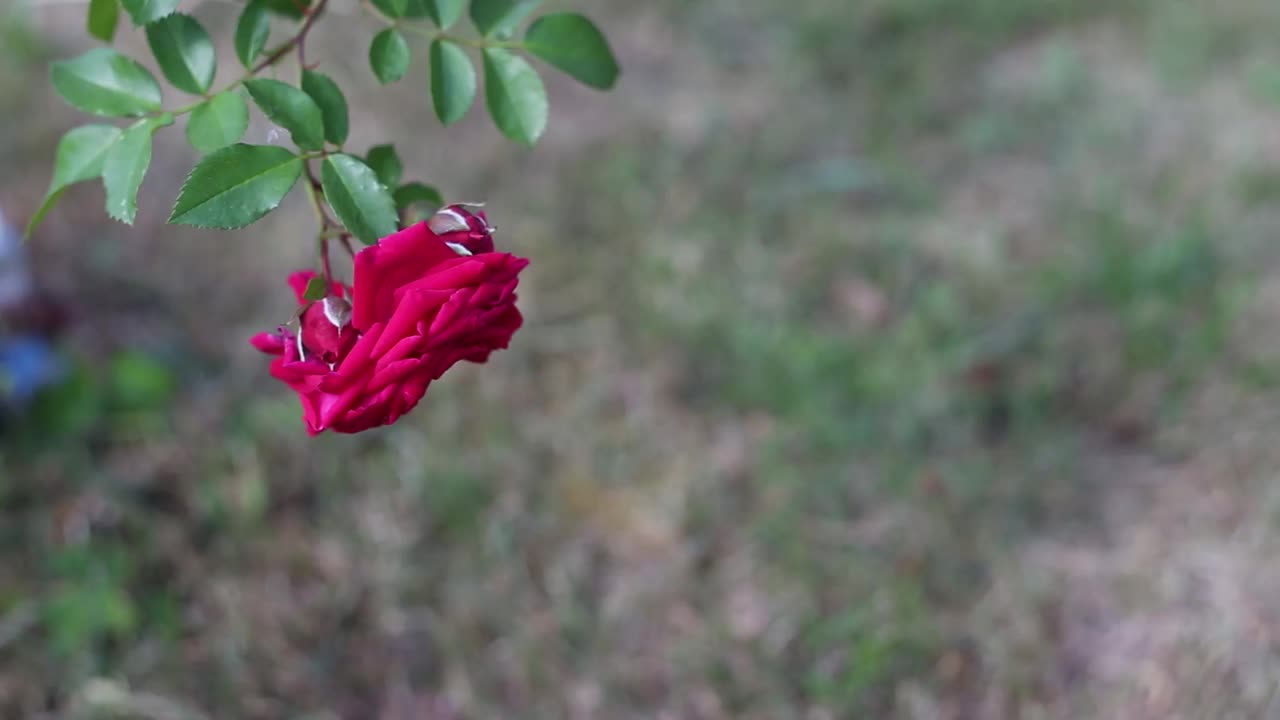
(798, 387)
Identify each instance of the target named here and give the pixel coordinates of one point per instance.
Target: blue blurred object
(27, 365)
(28, 360)
(15, 274)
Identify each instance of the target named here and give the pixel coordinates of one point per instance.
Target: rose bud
(326, 329)
(465, 231)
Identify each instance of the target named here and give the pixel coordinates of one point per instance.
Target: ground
(891, 359)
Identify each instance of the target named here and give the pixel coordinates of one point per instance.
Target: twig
(297, 40)
(433, 34)
(324, 260)
(272, 58)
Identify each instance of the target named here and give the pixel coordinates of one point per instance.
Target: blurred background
(883, 359)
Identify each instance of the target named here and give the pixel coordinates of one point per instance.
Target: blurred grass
(838, 318)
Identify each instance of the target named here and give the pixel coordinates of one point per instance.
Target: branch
(275, 56)
(296, 41)
(433, 34)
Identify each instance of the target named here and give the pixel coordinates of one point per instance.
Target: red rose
(420, 302)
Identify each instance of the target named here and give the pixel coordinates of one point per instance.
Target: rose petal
(447, 315)
(408, 395)
(269, 343)
(307, 367)
(368, 414)
(299, 279)
(356, 360)
(333, 406)
(394, 372)
(410, 346)
(411, 308)
(395, 261)
(447, 276)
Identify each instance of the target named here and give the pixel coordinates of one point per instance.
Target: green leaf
(218, 121)
(291, 109)
(104, 15)
(316, 289)
(104, 82)
(445, 13)
(392, 8)
(333, 105)
(184, 51)
(415, 193)
(81, 153)
(514, 93)
(499, 17)
(386, 164)
(125, 166)
(361, 202)
(453, 81)
(79, 157)
(146, 11)
(389, 56)
(575, 45)
(252, 30)
(123, 171)
(236, 185)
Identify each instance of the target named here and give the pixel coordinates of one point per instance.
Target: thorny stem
(314, 192)
(324, 260)
(329, 228)
(297, 40)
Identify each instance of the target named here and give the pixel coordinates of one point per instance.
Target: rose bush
(420, 301)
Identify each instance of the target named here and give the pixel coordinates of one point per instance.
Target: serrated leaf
(252, 30)
(316, 289)
(104, 15)
(444, 13)
(499, 17)
(453, 81)
(415, 193)
(574, 44)
(385, 163)
(79, 157)
(184, 51)
(291, 109)
(146, 11)
(104, 82)
(125, 166)
(389, 56)
(333, 105)
(81, 153)
(361, 202)
(218, 121)
(515, 95)
(392, 8)
(236, 186)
